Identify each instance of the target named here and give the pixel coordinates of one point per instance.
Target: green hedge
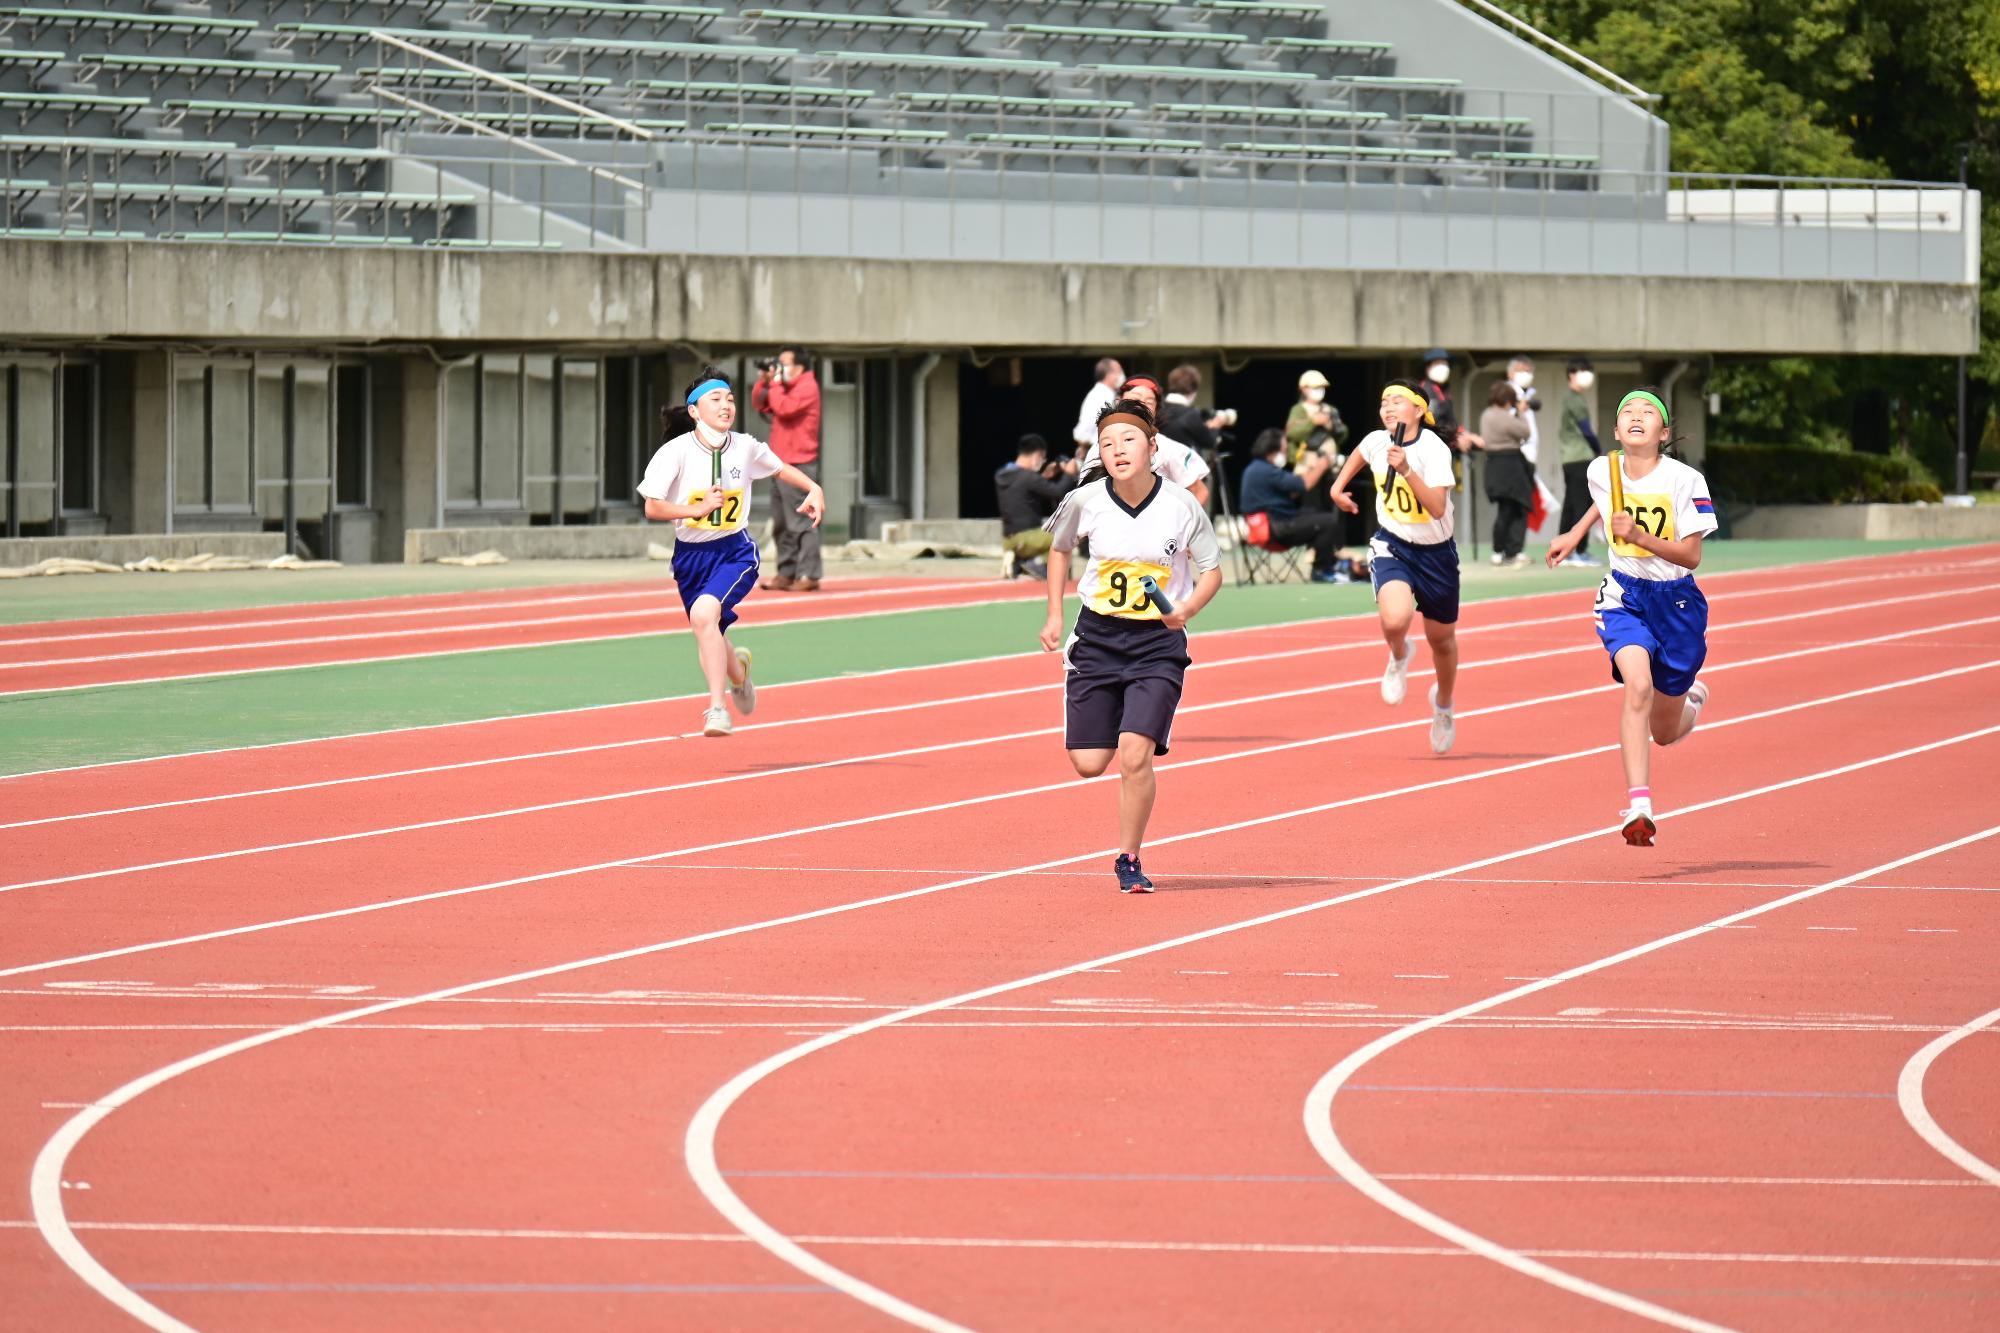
(1788, 474)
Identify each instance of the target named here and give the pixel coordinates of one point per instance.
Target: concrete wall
(621, 542)
(102, 290)
(118, 549)
(1870, 522)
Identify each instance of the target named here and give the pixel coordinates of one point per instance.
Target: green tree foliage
(1854, 88)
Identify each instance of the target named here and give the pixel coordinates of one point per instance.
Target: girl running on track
(1412, 555)
(1649, 613)
(1172, 459)
(715, 557)
(1128, 653)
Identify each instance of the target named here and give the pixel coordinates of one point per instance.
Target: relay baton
(1153, 591)
(1617, 487)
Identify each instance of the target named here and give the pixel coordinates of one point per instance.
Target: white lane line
(1106, 1245)
(328, 663)
(699, 1145)
(986, 696)
(1910, 1100)
(646, 613)
(971, 743)
(1203, 634)
(544, 876)
(1319, 1102)
(45, 1183)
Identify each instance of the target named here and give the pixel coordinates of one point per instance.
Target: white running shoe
(1697, 696)
(1498, 559)
(1395, 678)
(1444, 727)
(1639, 826)
(715, 722)
(744, 696)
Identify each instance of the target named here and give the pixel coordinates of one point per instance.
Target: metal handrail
(1536, 35)
(513, 85)
(528, 145)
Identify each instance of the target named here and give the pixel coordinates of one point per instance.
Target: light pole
(1964, 460)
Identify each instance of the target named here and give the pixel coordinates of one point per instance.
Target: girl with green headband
(1651, 617)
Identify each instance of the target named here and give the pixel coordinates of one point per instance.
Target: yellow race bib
(728, 514)
(1394, 500)
(1120, 593)
(1654, 515)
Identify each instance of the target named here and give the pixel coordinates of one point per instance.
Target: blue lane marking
(499, 1288)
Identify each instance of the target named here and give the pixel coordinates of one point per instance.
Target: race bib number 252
(1652, 515)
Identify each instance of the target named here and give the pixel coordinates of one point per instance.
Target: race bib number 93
(1119, 591)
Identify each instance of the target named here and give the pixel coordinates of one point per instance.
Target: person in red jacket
(788, 394)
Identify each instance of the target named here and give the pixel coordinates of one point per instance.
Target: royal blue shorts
(1431, 572)
(1668, 618)
(725, 569)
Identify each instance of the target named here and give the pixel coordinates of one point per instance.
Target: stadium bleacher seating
(1137, 86)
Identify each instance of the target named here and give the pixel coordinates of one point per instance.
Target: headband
(1131, 380)
(1666, 417)
(1126, 418)
(705, 387)
(1398, 391)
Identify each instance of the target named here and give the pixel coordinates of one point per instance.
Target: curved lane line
(1910, 1098)
(1319, 1102)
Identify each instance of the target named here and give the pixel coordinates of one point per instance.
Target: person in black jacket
(1029, 489)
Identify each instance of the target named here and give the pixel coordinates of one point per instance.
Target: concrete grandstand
(358, 268)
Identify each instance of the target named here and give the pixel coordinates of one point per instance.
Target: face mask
(1315, 395)
(1524, 379)
(1439, 373)
(1585, 378)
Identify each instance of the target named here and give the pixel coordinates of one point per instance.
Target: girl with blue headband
(700, 481)
(1652, 618)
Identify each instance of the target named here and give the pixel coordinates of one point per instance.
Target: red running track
(1115, 1147)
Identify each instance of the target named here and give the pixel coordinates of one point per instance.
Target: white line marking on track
(945, 747)
(1847, 928)
(1205, 634)
(1106, 1244)
(1910, 1100)
(45, 1179)
(1501, 771)
(699, 1145)
(1318, 1111)
(456, 652)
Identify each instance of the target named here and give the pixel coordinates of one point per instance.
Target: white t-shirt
(1168, 536)
(683, 470)
(1175, 461)
(1396, 506)
(1085, 431)
(1671, 501)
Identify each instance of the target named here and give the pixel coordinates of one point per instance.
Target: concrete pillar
(941, 440)
(152, 442)
(408, 456)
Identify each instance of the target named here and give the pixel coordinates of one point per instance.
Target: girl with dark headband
(1651, 617)
(715, 557)
(1413, 557)
(1153, 565)
(1173, 460)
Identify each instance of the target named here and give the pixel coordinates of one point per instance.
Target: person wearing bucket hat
(1650, 615)
(1313, 421)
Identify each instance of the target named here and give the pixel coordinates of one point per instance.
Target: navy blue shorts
(725, 569)
(1124, 675)
(1669, 619)
(1431, 572)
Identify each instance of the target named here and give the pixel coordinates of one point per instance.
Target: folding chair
(1256, 553)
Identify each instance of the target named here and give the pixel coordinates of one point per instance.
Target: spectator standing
(1186, 422)
(1028, 490)
(1102, 394)
(1437, 375)
(788, 393)
(1313, 420)
(1579, 445)
(1521, 374)
(1510, 479)
(1274, 490)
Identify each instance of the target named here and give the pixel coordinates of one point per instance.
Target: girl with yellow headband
(1153, 564)
(1651, 617)
(1412, 556)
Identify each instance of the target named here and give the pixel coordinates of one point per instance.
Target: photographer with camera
(1187, 423)
(1028, 490)
(788, 394)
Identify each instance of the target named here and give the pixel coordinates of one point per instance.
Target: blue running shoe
(1131, 879)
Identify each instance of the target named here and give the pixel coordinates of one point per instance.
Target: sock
(1640, 798)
